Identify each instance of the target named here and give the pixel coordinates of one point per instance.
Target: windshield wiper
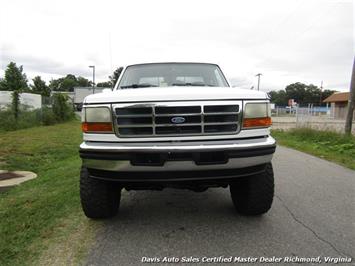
(142, 85)
(192, 84)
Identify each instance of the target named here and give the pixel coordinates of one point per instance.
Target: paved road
(313, 214)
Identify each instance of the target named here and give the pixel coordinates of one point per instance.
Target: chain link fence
(320, 118)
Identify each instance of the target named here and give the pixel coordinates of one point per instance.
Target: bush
(62, 109)
(47, 116)
(25, 119)
(15, 104)
(330, 145)
(18, 116)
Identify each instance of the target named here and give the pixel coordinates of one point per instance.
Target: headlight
(257, 115)
(96, 120)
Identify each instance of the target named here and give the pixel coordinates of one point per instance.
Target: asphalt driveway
(312, 215)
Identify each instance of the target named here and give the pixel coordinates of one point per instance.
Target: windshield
(172, 74)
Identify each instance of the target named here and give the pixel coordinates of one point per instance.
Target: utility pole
(258, 75)
(320, 97)
(349, 116)
(93, 79)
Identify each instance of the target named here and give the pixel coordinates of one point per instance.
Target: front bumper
(177, 156)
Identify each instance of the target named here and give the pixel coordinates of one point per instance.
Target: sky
(307, 41)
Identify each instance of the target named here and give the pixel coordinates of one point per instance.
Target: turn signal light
(96, 127)
(257, 122)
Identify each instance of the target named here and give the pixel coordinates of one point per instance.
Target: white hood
(174, 94)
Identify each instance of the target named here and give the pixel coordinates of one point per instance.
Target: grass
(328, 145)
(41, 220)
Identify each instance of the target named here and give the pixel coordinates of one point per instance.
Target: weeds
(330, 145)
(18, 116)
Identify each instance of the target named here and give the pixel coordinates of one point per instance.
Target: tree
(83, 82)
(278, 97)
(302, 93)
(68, 83)
(106, 84)
(116, 74)
(54, 84)
(112, 79)
(296, 91)
(326, 94)
(14, 78)
(312, 94)
(2, 85)
(40, 87)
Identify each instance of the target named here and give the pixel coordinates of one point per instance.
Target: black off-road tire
(99, 198)
(253, 195)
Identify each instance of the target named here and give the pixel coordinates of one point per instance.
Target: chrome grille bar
(191, 118)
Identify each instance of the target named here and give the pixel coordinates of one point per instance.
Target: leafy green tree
(312, 94)
(116, 74)
(278, 97)
(14, 79)
(83, 82)
(68, 83)
(327, 93)
(2, 85)
(296, 91)
(302, 93)
(40, 87)
(71, 77)
(106, 84)
(54, 84)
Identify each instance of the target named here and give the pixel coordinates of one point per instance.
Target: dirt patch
(9, 179)
(8, 175)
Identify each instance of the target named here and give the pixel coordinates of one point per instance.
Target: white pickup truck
(178, 125)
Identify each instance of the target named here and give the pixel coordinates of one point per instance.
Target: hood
(174, 94)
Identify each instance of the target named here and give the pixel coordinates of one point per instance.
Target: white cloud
(287, 41)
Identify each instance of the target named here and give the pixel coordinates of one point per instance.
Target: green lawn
(328, 145)
(41, 220)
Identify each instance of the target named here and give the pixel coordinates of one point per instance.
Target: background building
(338, 104)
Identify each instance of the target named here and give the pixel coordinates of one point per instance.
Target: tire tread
(99, 199)
(254, 195)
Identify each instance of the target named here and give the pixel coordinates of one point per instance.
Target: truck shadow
(176, 223)
(175, 204)
(174, 212)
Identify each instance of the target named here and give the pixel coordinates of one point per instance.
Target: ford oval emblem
(178, 120)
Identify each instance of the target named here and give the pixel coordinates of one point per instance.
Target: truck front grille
(177, 119)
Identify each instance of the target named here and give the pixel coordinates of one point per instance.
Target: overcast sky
(287, 41)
